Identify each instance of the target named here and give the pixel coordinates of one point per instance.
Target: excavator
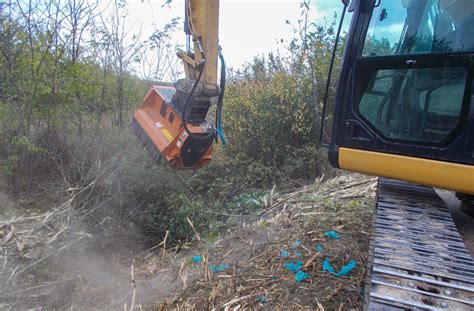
(404, 111)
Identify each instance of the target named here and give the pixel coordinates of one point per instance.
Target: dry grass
(55, 256)
(256, 277)
(56, 259)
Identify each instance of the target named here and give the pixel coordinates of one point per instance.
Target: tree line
(71, 74)
(65, 66)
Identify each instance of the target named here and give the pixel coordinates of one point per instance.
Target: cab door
(405, 89)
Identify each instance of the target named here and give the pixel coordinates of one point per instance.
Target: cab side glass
(422, 105)
(400, 27)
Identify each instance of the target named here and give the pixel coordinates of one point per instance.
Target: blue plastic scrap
(298, 254)
(296, 244)
(296, 267)
(197, 259)
(301, 276)
(346, 268)
(284, 254)
(261, 299)
(319, 248)
(219, 268)
(327, 266)
(293, 266)
(332, 235)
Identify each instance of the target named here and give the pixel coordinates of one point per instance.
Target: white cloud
(247, 27)
(395, 28)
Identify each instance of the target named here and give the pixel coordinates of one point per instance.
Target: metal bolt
(444, 305)
(448, 292)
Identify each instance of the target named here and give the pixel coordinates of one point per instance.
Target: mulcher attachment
(158, 124)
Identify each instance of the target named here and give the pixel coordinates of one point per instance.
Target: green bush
(63, 116)
(266, 114)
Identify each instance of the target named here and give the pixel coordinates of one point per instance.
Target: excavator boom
(171, 123)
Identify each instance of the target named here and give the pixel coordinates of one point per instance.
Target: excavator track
(417, 259)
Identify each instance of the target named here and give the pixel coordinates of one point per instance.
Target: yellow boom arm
(172, 121)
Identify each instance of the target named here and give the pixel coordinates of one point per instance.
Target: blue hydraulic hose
(220, 132)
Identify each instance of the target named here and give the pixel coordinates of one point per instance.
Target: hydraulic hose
(186, 105)
(220, 101)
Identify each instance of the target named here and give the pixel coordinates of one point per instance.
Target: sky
(247, 28)
(391, 26)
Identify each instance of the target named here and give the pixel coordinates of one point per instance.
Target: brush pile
(276, 261)
(302, 249)
(60, 255)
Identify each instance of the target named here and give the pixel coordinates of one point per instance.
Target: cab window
(412, 103)
(420, 26)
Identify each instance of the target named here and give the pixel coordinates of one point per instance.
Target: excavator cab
(404, 105)
(404, 110)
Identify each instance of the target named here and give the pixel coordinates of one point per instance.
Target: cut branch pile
(31, 240)
(44, 248)
(247, 269)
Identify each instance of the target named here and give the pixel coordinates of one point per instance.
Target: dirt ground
(55, 256)
(254, 259)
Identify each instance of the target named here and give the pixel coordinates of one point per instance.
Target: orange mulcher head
(158, 124)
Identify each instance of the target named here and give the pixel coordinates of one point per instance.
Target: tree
(158, 57)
